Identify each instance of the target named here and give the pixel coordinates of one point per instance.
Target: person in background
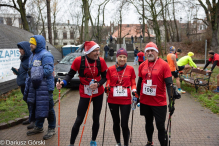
(132, 38)
(214, 59)
(135, 56)
(171, 59)
(111, 53)
(154, 78)
(140, 57)
(25, 52)
(120, 84)
(183, 63)
(106, 49)
(178, 52)
(90, 66)
(111, 38)
(39, 87)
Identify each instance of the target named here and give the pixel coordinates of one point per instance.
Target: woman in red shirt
(120, 77)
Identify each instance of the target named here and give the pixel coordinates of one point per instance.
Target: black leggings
(125, 112)
(159, 112)
(82, 108)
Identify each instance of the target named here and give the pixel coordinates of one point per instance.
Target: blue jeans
(106, 53)
(51, 117)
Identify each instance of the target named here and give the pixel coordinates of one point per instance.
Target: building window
(64, 43)
(64, 35)
(9, 21)
(56, 43)
(72, 43)
(71, 35)
(1, 20)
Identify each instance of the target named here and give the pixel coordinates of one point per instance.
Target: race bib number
(88, 91)
(119, 91)
(149, 90)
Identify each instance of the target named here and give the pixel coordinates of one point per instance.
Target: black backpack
(82, 67)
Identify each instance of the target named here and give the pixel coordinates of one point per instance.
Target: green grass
(13, 106)
(207, 98)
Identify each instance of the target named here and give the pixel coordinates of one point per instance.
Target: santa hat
(89, 46)
(151, 46)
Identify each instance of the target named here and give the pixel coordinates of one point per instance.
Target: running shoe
(217, 91)
(181, 91)
(149, 143)
(93, 143)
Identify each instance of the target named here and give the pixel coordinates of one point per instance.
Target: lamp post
(140, 20)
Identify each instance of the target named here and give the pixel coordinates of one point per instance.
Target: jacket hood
(26, 47)
(41, 43)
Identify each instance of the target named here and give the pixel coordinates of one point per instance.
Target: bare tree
(20, 7)
(212, 14)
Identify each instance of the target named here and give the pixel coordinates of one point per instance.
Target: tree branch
(5, 5)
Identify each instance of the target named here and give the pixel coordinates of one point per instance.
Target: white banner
(8, 58)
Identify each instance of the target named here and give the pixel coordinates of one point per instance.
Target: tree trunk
(43, 23)
(49, 21)
(143, 29)
(54, 28)
(214, 40)
(82, 30)
(177, 32)
(86, 14)
(120, 41)
(22, 11)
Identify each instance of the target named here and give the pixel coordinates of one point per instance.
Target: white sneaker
(181, 91)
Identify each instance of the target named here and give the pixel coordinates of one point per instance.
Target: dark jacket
(41, 80)
(135, 52)
(111, 52)
(106, 48)
(22, 71)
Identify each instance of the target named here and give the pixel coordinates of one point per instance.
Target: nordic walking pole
(170, 131)
(105, 119)
(131, 126)
(172, 102)
(133, 108)
(59, 118)
(86, 118)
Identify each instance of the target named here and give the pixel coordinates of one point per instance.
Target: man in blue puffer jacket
(25, 52)
(39, 87)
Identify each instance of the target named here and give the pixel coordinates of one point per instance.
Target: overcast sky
(130, 15)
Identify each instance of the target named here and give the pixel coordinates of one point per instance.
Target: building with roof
(65, 33)
(134, 30)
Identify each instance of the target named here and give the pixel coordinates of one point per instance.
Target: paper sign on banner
(8, 58)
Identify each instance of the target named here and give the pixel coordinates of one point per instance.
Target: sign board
(8, 58)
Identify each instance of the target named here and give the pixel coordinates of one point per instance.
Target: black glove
(171, 108)
(107, 89)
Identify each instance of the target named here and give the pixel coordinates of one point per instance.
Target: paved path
(192, 125)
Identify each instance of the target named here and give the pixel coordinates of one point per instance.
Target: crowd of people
(155, 78)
